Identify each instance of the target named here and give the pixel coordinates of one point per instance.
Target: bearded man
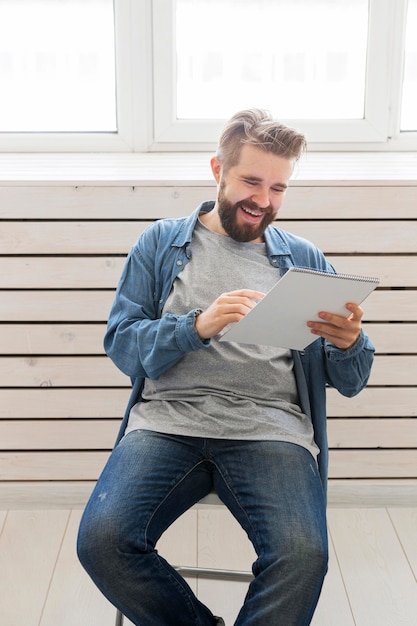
(245, 421)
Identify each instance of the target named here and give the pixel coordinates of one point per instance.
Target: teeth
(253, 213)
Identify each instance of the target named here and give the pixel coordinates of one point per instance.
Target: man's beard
(241, 232)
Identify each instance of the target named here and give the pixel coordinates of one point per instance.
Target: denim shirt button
(179, 263)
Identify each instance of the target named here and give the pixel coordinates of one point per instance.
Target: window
(57, 66)
(72, 75)
(160, 75)
(265, 53)
(322, 66)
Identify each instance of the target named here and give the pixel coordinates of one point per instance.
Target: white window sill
(179, 168)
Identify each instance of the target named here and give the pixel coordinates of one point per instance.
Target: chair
(218, 574)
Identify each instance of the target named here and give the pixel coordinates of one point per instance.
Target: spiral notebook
(280, 318)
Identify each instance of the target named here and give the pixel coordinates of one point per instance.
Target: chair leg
(217, 574)
(119, 618)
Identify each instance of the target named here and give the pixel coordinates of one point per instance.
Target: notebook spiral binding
(308, 270)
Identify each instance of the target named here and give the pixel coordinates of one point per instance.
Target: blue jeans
(272, 488)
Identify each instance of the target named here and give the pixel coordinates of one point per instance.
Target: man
(247, 421)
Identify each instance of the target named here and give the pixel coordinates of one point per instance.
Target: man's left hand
(341, 331)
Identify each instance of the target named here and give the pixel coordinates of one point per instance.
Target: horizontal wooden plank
(58, 434)
(64, 237)
(371, 492)
(372, 432)
(87, 465)
(49, 403)
(352, 202)
(398, 338)
(116, 237)
(394, 370)
(373, 464)
(355, 237)
(392, 271)
(69, 371)
(99, 371)
(52, 338)
(27, 338)
(110, 202)
(51, 465)
(361, 492)
(374, 402)
(156, 201)
(99, 434)
(94, 306)
(40, 495)
(55, 306)
(392, 306)
(89, 272)
(60, 272)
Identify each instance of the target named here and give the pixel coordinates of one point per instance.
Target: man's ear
(216, 168)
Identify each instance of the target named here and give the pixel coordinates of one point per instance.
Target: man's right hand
(228, 307)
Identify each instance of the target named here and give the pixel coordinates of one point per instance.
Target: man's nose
(261, 198)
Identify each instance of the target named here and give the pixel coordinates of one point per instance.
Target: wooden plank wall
(62, 249)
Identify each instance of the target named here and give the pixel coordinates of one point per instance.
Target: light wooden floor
(371, 580)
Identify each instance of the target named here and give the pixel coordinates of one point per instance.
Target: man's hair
(258, 128)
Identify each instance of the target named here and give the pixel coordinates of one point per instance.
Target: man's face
(251, 192)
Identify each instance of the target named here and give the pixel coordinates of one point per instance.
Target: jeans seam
(174, 580)
(167, 495)
(224, 477)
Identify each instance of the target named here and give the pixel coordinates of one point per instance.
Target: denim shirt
(144, 344)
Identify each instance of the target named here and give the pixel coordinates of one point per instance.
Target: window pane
(57, 66)
(298, 58)
(409, 102)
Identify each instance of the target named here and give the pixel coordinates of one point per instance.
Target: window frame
(385, 35)
(145, 91)
(133, 77)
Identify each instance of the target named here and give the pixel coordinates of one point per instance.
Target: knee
(315, 556)
(301, 554)
(98, 541)
(86, 542)
(309, 554)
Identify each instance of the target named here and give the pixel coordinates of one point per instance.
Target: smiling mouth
(251, 212)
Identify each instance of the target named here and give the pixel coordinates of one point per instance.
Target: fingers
(356, 311)
(228, 307)
(236, 302)
(342, 331)
(244, 293)
(342, 321)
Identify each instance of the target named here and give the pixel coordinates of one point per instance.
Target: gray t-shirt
(226, 390)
